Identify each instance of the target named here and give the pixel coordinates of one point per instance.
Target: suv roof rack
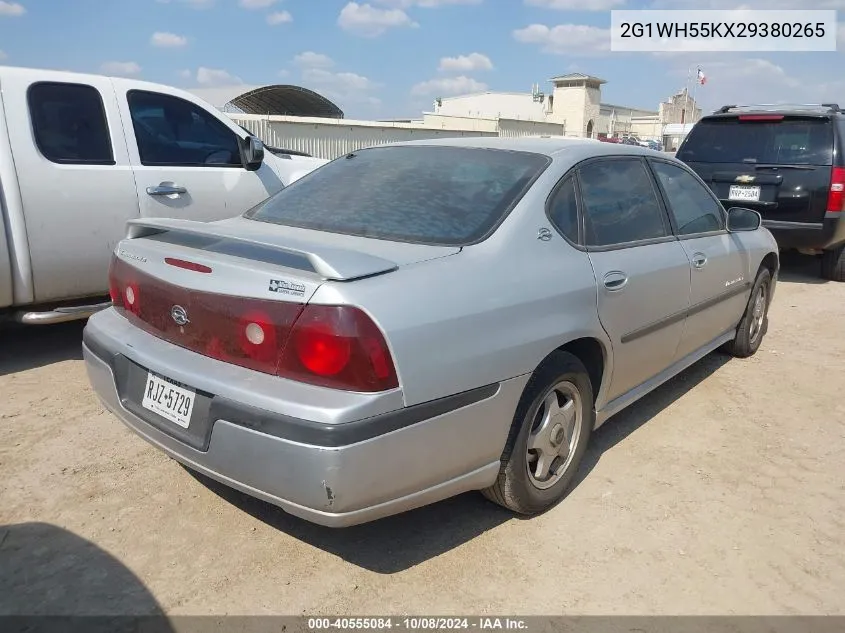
(828, 107)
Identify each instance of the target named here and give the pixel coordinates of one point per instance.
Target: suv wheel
(833, 264)
(548, 437)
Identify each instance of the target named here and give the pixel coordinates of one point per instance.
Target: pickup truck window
(176, 133)
(69, 123)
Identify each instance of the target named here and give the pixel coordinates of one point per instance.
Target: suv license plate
(169, 400)
(739, 192)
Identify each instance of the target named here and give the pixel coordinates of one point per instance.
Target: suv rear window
(791, 141)
(420, 194)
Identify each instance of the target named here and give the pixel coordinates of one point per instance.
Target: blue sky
(392, 58)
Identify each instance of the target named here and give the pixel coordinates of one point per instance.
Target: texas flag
(701, 78)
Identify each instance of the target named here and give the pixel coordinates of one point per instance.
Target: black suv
(788, 163)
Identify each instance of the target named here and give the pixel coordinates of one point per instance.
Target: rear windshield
(420, 194)
(792, 141)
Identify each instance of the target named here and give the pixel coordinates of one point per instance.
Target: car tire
(755, 320)
(833, 264)
(521, 486)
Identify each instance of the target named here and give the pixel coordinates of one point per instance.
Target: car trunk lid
(206, 286)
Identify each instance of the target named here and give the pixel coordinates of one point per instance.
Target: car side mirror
(252, 153)
(740, 219)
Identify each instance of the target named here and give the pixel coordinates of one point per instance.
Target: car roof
(552, 146)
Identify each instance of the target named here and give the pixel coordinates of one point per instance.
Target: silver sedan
(414, 321)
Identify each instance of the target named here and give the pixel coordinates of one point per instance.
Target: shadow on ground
(48, 571)
(400, 542)
(29, 347)
(800, 269)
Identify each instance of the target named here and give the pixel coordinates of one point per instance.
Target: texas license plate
(738, 192)
(169, 400)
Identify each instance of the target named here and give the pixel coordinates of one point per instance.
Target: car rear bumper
(331, 473)
(816, 235)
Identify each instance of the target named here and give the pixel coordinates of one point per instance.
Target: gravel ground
(720, 493)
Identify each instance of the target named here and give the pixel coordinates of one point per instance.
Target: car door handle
(166, 189)
(699, 260)
(615, 280)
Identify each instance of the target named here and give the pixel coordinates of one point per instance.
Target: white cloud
(426, 4)
(194, 4)
(120, 68)
(448, 86)
(566, 39)
(2, 56)
(168, 40)
(310, 59)
(576, 5)
(369, 21)
(185, 73)
(341, 87)
(283, 73)
(11, 9)
(216, 77)
(279, 17)
(257, 4)
(344, 81)
(736, 79)
(465, 63)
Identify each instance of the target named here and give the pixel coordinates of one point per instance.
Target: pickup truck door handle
(699, 260)
(166, 189)
(615, 280)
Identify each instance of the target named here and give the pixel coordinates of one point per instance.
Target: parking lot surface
(723, 492)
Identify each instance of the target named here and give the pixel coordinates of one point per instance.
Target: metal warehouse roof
(286, 100)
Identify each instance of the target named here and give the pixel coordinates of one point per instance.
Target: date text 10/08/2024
(417, 623)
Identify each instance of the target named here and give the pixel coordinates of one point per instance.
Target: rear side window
(69, 124)
(563, 210)
(420, 194)
(791, 141)
(694, 209)
(620, 204)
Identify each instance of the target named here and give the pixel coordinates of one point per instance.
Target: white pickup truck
(82, 154)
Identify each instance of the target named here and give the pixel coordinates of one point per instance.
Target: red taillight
(114, 286)
(836, 197)
(339, 347)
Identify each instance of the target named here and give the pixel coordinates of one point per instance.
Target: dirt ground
(721, 493)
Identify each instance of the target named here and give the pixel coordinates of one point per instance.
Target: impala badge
(745, 179)
(179, 315)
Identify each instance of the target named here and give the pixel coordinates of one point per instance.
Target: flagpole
(694, 88)
(686, 97)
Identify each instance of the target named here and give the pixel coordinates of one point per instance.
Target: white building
(297, 118)
(574, 104)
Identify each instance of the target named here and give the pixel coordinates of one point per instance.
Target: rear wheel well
(590, 352)
(770, 261)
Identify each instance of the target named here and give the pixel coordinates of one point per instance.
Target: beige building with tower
(573, 108)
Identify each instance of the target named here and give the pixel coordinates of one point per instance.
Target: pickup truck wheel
(755, 320)
(833, 264)
(548, 437)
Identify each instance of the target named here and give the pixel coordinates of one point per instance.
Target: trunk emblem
(179, 315)
(745, 179)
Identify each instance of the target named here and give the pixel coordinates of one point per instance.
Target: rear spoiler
(329, 263)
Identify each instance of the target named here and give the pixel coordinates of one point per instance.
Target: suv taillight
(836, 197)
(332, 346)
